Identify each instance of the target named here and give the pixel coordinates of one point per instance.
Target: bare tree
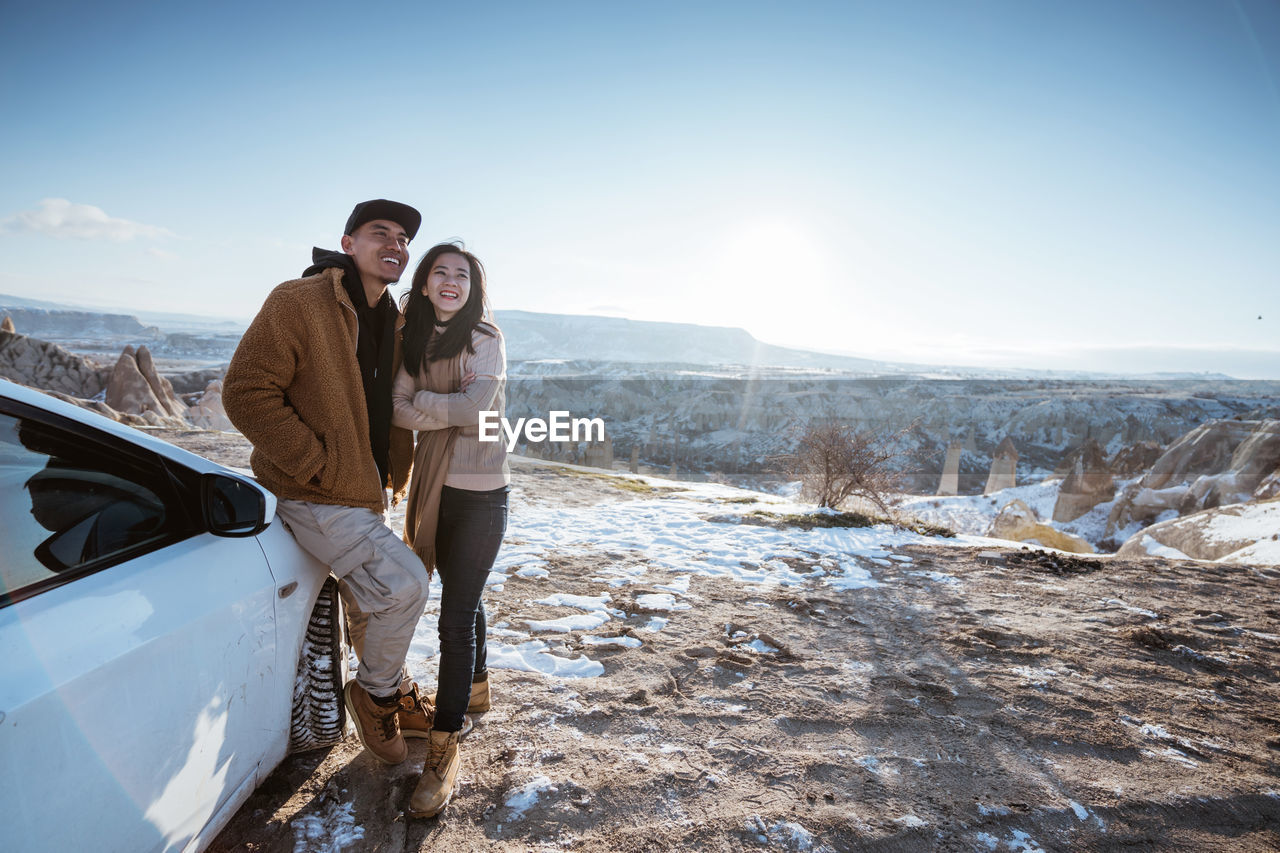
(835, 462)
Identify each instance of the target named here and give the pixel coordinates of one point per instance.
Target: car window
(69, 505)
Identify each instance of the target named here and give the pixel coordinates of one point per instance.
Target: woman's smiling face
(448, 284)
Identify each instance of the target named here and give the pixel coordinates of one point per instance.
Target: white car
(165, 643)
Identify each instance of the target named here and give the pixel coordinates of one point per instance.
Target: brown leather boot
(376, 724)
(416, 711)
(439, 776)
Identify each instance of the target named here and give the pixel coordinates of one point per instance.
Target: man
(310, 386)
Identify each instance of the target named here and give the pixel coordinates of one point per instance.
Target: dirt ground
(976, 700)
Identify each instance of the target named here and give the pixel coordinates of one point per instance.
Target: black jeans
(467, 540)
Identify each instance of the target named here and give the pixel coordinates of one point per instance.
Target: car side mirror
(232, 507)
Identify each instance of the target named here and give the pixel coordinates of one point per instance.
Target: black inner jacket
(375, 347)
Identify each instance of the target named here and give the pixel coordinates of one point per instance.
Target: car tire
(319, 714)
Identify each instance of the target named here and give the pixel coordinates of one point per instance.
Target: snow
(679, 584)
(521, 798)
(1020, 842)
(1258, 522)
(693, 532)
(660, 601)
(1035, 676)
(333, 830)
(937, 577)
(581, 602)
(533, 572)
(1155, 549)
(624, 642)
(1129, 607)
(533, 656)
(853, 577)
(787, 835)
(1250, 528)
(565, 624)
(973, 514)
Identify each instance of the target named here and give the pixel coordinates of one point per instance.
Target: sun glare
(766, 273)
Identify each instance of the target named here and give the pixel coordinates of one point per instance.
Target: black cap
(379, 208)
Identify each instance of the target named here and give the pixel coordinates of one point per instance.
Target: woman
(454, 368)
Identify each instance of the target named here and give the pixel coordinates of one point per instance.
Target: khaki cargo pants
(383, 583)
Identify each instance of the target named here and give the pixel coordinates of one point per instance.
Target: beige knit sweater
(474, 465)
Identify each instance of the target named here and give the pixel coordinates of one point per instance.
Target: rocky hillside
(732, 425)
(40, 364)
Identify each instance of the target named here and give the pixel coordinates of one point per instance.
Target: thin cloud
(59, 217)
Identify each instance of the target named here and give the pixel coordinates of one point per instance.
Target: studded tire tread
(319, 714)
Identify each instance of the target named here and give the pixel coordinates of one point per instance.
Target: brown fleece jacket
(294, 390)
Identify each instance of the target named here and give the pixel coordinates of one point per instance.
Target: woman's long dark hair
(421, 343)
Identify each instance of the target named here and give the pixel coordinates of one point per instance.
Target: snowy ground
(672, 670)
(678, 541)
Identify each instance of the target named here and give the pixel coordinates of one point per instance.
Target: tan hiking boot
(439, 776)
(479, 697)
(376, 725)
(479, 702)
(416, 712)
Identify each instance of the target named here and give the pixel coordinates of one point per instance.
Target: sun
(768, 274)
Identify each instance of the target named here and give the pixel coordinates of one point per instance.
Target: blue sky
(1074, 185)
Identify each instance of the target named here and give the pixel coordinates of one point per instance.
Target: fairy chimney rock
(161, 387)
(130, 388)
(950, 484)
(1004, 467)
(598, 454)
(208, 412)
(1088, 483)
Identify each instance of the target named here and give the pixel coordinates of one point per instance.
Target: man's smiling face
(380, 249)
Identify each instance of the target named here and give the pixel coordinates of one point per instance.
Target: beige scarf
(431, 467)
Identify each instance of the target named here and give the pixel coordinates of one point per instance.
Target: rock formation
(598, 454)
(47, 366)
(1244, 533)
(1004, 467)
(1018, 522)
(103, 409)
(1269, 487)
(1088, 483)
(7, 325)
(194, 381)
(208, 412)
(1217, 463)
(1134, 459)
(950, 484)
(736, 425)
(135, 387)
